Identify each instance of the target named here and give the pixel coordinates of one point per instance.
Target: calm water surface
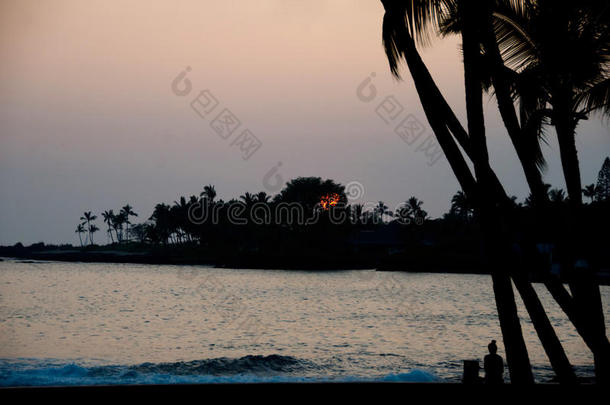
(82, 323)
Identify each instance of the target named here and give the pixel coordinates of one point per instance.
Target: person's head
(492, 347)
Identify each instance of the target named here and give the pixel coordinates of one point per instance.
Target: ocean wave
(248, 369)
(224, 366)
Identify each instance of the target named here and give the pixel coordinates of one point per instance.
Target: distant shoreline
(410, 262)
(238, 261)
(237, 264)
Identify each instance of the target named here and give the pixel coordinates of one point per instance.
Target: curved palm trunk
(566, 134)
(588, 300)
(473, 31)
(434, 113)
(88, 232)
(509, 115)
(435, 106)
(550, 342)
(523, 148)
(598, 343)
(514, 345)
(516, 351)
(592, 333)
(585, 292)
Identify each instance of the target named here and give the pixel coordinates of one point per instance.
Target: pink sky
(88, 120)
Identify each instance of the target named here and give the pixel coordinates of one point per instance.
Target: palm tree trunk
(569, 155)
(508, 113)
(425, 86)
(506, 107)
(585, 291)
(588, 299)
(516, 351)
(584, 308)
(517, 357)
(593, 334)
(550, 342)
(599, 343)
(433, 99)
(88, 231)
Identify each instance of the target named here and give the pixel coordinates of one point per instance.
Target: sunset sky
(89, 121)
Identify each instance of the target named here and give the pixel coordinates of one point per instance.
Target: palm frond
(510, 21)
(534, 135)
(406, 19)
(394, 32)
(596, 99)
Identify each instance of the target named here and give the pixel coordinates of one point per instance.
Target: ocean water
(86, 323)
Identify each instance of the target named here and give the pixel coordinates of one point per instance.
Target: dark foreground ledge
(287, 392)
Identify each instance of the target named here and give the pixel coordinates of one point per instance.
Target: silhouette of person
(493, 365)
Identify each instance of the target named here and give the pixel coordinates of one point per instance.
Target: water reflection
(362, 324)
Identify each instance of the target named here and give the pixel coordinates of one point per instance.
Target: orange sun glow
(329, 200)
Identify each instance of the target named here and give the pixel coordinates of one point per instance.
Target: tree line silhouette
(180, 222)
(117, 223)
(179, 225)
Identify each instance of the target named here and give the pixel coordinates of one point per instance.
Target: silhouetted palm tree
(262, 197)
(462, 206)
(92, 230)
(603, 181)
(480, 20)
(80, 229)
(161, 218)
(179, 214)
(404, 20)
(412, 212)
(127, 211)
(108, 218)
(381, 210)
(87, 218)
(356, 213)
(560, 50)
(590, 192)
(209, 193)
(248, 199)
(117, 224)
(557, 196)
